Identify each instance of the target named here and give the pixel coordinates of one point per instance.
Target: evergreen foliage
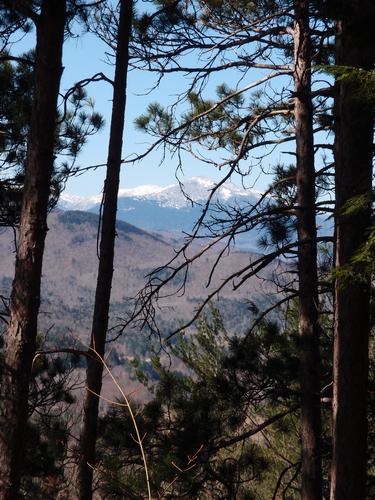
(196, 425)
(227, 411)
(76, 123)
(49, 426)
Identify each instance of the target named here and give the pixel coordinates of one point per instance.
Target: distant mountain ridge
(166, 209)
(196, 189)
(70, 270)
(69, 280)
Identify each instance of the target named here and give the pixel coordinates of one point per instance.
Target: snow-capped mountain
(195, 189)
(167, 208)
(74, 202)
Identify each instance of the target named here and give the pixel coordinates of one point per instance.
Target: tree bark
(353, 161)
(311, 472)
(25, 296)
(106, 257)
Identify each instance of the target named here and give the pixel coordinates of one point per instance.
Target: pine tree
(94, 370)
(21, 336)
(78, 121)
(235, 128)
(307, 258)
(353, 164)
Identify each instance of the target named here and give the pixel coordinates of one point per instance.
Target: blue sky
(83, 57)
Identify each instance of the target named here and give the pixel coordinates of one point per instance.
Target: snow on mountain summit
(139, 191)
(74, 202)
(196, 188)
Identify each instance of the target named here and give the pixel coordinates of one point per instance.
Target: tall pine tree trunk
(106, 256)
(353, 161)
(307, 259)
(25, 297)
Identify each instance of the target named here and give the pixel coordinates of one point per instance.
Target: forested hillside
(160, 361)
(69, 278)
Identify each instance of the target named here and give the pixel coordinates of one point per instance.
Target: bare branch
(230, 442)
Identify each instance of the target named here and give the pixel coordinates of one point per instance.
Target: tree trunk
(307, 260)
(25, 297)
(353, 161)
(106, 256)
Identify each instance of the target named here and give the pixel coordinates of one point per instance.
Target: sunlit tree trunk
(25, 298)
(106, 256)
(307, 259)
(353, 161)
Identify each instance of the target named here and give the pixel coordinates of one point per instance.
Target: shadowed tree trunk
(307, 260)
(106, 256)
(25, 297)
(353, 160)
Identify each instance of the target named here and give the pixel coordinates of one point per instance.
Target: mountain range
(70, 262)
(70, 267)
(69, 280)
(171, 209)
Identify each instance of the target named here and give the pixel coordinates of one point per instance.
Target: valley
(69, 280)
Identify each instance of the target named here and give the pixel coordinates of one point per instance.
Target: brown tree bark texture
(25, 297)
(106, 256)
(307, 260)
(353, 163)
